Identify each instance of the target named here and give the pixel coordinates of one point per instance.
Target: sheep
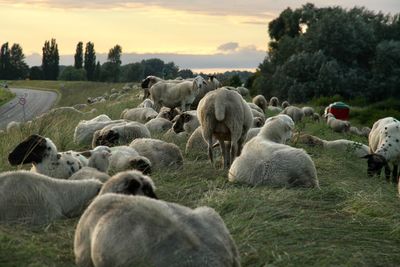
(337, 125)
(174, 95)
(274, 101)
(252, 133)
(168, 113)
(226, 116)
(243, 91)
(196, 142)
(158, 125)
(33, 198)
(120, 134)
(147, 103)
(80, 106)
(257, 114)
(342, 145)
(315, 117)
(148, 82)
(363, 132)
(261, 102)
(161, 154)
(186, 122)
(265, 162)
(297, 114)
(211, 84)
(285, 104)
(141, 115)
(120, 230)
(255, 107)
(90, 173)
(274, 109)
(257, 122)
(384, 148)
(308, 111)
(127, 158)
(85, 129)
(13, 126)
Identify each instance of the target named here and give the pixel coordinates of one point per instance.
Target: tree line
(330, 51)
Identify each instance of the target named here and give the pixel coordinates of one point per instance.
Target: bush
(70, 73)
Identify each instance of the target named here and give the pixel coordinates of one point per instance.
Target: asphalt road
(36, 103)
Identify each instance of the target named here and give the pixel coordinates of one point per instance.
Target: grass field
(352, 220)
(5, 96)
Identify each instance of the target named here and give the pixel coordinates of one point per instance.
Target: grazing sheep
(161, 154)
(120, 134)
(267, 161)
(119, 230)
(337, 125)
(285, 104)
(85, 129)
(141, 115)
(158, 125)
(125, 158)
(33, 198)
(174, 95)
(186, 122)
(315, 117)
(168, 113)
(341, 145)
(147, 103)
(226, 116)
(261, 102)
(384, 147)
(255, 107)
(297, 114)
(308, 111)
(274, 101)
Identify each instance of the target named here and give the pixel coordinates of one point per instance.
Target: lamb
(285, 104)
(265, 160)
(341, 145)
(174, 95)
(109, 233)
(226, 116)
(337, 125)
(297, 114)
(127, 158)
(141, 115)
(308, 111)
(161, 154)
(158, 125)
(384, 148)
(85, 129)
(120, 134)
(274, 101)
(186, 122)
(261, 102)
(33, 198)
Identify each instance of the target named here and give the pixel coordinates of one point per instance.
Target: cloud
(231, 46)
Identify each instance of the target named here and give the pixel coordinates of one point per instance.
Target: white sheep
(384, 147)
(13, 126)
(90, 173)
(274, 101)
(196, 142)
(266, 161)
(255, 107)
(337, 125)
(285, 104)
(243, 91)
(161, 154)
(252, 133)
(211, 84)
(119, 230)
(120, 134)
(149, 81)
(147, 103)
(364, 131)
(158, 125)
(141, 115)
(274, 109)
(297, 114)
(186, 122)
(28, 197)
(168, 113)
(226, 116)
(261, 102)
(127, 158)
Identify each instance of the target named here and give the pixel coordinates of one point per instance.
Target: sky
(196, 34)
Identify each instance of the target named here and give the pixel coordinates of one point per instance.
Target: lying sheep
(364, 131)
(141, 115)
(120, 134)
(186, 122)
(384, 147)
(125, 158)
(174, 95)
(274, 101)
(261, 102)
(161, 154)
(147, 103)
(89, 173)
(118, 230)
(196, 142)
(168, 113)
(337, 125)
(340, 145)
(158, 125)
(85, 129)
(274, 109)
(226, 116)
(29, 197)
(297, 114)
(267, 161)
(255, 107)
(285, 104)
(252, 133)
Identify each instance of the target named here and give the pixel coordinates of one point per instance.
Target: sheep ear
(186, 117)
(105, 154)
(31, 150)
(131, 187)
(148, 191)
(112, 137)
(141, 165)
(86, 154)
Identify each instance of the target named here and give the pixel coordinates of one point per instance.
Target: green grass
(352, 221)
(5, 96)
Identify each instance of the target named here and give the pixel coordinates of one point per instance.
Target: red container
(340, 110)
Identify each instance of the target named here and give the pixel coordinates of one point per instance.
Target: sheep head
(375, 164)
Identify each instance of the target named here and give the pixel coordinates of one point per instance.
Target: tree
(153, 66)
(35, 73)
(50, 60)
(170, 70)
(90, 62)
(79, 56)
(72, 74)
(97, 72)
(235, 81)
(4, 61)
(114, 55)
(111, 69)
(18, 68)
(132, 72)
(185, 73)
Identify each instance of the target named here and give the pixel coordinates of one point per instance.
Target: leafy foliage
(50, 60)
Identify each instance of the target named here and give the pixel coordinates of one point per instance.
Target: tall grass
(352, 221)
(5, 95)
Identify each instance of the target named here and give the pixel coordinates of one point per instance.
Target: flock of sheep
(216, 120)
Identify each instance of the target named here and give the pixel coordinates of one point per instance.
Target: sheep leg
(210, 152)
(394, 174)
(223, 151)
(234, 150)
(387, 173)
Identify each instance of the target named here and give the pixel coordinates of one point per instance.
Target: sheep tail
(220, 107)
